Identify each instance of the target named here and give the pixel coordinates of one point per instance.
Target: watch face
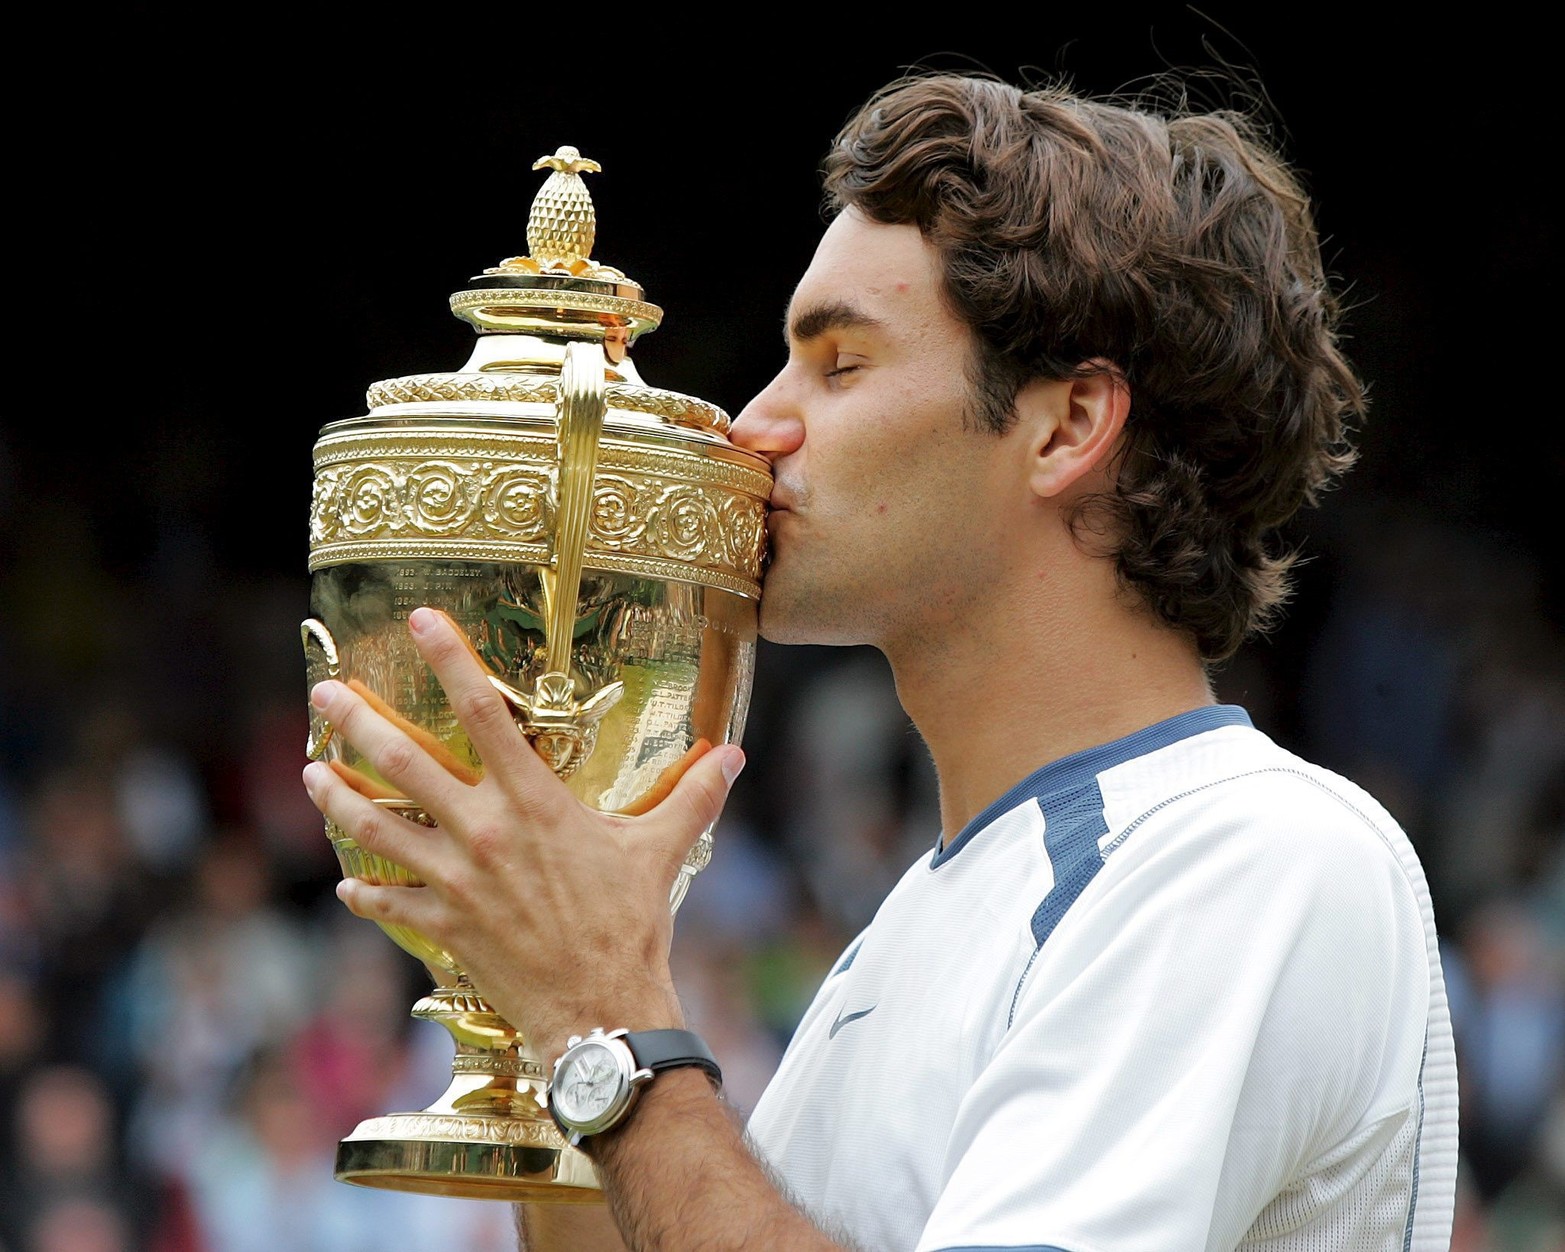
(589, 1082)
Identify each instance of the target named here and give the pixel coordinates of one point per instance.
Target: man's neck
(1012, 692)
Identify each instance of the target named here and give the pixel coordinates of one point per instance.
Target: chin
(784, 619)
(780, 627)
(811, 622)
(815, 604)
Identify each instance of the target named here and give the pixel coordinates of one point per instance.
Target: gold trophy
(601, 542)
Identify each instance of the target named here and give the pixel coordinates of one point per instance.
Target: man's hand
(558, 913)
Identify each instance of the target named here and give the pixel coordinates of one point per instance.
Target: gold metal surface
(600, 541)
(668, 406)
(439, 488)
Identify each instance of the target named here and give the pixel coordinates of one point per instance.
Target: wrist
(677, 1096)
(601, 1077)
(655, 1009)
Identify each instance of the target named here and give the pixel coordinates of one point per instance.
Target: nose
(770, 424)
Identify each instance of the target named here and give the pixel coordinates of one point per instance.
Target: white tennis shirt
(1177, 992)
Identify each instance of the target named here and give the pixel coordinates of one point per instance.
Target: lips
(783, 497)
(775, 516)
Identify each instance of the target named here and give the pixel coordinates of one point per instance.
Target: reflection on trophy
(601, 542)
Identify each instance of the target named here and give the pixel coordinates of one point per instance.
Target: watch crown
(573, 1041)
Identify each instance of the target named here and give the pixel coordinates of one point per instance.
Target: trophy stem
(487, 1137)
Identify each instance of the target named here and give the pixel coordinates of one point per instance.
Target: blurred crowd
(189, 1020)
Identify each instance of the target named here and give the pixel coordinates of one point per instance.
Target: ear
(1074, 424)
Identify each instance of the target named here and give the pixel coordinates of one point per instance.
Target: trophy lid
(557, 289)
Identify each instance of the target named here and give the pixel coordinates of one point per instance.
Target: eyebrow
(815, 321)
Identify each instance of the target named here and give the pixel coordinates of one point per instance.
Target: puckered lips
(779, 507)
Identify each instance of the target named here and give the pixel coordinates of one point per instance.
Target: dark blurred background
(229, 231)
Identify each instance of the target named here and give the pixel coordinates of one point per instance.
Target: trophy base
(467, 1156)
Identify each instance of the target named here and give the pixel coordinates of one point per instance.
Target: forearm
(567, 1228)
(678, 1175)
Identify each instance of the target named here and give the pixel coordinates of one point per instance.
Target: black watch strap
(659, 1050)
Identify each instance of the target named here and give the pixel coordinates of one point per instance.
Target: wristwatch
(598, 1076)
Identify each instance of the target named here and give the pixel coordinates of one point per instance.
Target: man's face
(879, 515)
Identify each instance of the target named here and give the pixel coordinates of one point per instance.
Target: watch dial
(587, 1083)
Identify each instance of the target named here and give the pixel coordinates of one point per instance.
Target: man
(1057, 372)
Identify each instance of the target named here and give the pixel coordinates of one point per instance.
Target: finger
(363, 783)
(438, 751)
(414, 908)
(693, 806)
(375, 828)
(387, 749)
(666, 781)
(480, 709)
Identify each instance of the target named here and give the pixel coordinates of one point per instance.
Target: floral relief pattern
(639, 515)
(519, 503)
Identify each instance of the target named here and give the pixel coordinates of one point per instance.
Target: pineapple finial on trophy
(562, 226)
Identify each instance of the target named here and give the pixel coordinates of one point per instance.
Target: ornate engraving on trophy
(666, 405)
(445, 499)
(467, 1129)
(517, 1068)
(654, 510)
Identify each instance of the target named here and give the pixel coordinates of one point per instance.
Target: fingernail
(320, 694)
(420, 620)
(312, 773)
(732, 764)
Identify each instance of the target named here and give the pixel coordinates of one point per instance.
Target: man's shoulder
(1238, 783)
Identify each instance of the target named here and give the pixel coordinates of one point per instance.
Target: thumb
(695, 802)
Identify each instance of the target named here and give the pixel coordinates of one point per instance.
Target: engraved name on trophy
(601, 542)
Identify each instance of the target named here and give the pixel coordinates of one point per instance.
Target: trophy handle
(320, 663)
(562, 729)
(583, 404)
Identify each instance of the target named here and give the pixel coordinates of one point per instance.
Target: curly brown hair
(1176, 245)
